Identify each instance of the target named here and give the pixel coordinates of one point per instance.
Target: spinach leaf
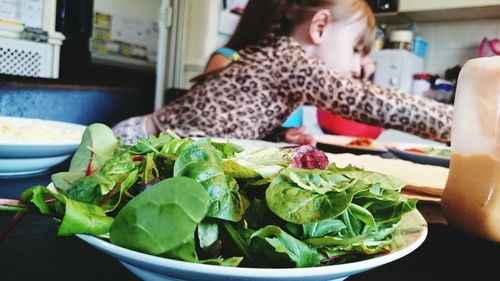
(266, 162)
(151, 144)
(337, 240)
(333, 167)
(208, 232)
(322, 228)
(93, 188)
(83, 218)
(162, 219)
(173, 149)
(238, 171)
(240, 242)
(228, 149)
(150, 171)
(385, 229)
(77, 217)
(296, 205)
(90, 189)
(258, 215)
(97, 146)
(38, 195)
(319, 181)
(65, 180)
(385, 181)
(113, 203)
(362, 214)
(298, 252)
(202, 162)
(386, 206)
(354, 226)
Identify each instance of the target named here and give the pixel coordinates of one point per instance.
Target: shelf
(123, 62)
(453, 14)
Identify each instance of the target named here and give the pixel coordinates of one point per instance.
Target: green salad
(431, 151)
(215, 203)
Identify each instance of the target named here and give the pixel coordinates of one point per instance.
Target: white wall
(201, 24)
(144, 9)
(454, 42)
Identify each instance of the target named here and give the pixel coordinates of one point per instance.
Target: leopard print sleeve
(365, 102)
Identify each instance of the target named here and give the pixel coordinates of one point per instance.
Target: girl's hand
(364, 67)
(130, 130)
(299, 136)
(367, 68)
(150, 125)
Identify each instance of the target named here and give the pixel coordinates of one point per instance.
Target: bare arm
(367, 103)
(217, 62)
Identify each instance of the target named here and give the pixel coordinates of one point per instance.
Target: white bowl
(25, 166)
(149, 267)
(33, 155)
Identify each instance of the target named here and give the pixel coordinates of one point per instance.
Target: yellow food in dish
(36, 131)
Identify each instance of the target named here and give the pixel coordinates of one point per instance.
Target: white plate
(25, 166)
(252, 144)
(149, 267)
(398, 149)
(33, 155)
(340, 144)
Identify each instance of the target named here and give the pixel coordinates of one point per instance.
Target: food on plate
(216, 203)
(430, 151)
(39, 130)
(361, 141)
(432, 183)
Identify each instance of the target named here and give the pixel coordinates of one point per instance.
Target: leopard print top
(255, 95)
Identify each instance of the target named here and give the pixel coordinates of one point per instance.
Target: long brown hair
(263, 16)
(282, 16)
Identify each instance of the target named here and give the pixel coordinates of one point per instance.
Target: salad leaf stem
(16, 206)
(15, 220)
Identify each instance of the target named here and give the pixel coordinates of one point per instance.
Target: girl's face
(337, 48)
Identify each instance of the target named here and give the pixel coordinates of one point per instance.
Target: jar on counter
(421, 84)
(443, 90)
(401, 39)
(380, 37)
(471, 199)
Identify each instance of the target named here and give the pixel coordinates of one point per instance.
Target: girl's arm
(368, 103)
(217, 62)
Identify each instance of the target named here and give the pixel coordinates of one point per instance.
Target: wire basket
(26, 58)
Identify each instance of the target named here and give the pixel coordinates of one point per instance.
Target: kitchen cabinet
(24, 52)
(443, 10)
(429, 5)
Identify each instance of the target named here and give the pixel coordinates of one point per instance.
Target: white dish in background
(148, 267)
(339, 144)
(26, 166)
(27, 145)
(252, 144)
(399, 149)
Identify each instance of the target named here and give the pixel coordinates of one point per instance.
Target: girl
(249, 28)
(299, 52)
(221, 59)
